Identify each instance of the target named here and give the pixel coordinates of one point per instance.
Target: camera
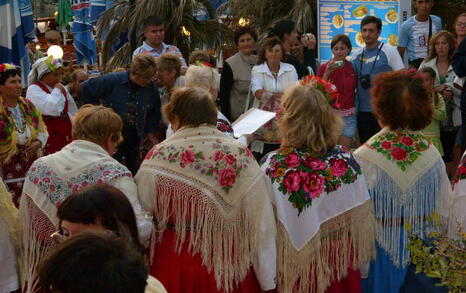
(365, 81)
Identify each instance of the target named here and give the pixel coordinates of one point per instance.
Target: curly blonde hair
(307, 120)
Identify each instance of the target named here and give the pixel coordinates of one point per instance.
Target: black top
(301, 70)
(226, 83)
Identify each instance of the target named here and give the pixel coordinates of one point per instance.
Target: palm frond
(123, 18)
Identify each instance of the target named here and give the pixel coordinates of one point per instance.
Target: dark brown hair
(193, 106)
(242, 31)
(93, 263)
(103, 204)
(269, 44)
(400, 100)
(9, 73)
(341, 38)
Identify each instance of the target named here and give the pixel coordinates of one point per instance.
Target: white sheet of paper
(250, 121)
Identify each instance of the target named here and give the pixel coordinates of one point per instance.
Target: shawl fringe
(35, 233)
(395, 208)
(343, 242)
(223, 235)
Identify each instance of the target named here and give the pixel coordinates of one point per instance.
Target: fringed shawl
(50, 180)
(458, 206)
(325, 218)
(407, 182)
(8, 135)
(202, 181)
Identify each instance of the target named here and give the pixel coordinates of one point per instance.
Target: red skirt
(59, 129)
(185, 273)
(15, 171)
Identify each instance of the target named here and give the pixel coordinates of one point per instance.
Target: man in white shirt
(416, 32)
(154, 32)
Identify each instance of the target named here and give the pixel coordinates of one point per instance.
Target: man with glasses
(133, 95)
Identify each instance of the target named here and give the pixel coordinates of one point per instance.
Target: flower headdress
(7, 66)
(328, 89)
(207, 64)
(52, 63)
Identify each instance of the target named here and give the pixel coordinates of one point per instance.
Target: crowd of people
(134, 181)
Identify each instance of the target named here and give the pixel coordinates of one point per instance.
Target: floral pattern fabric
(303, 177)
(401, 147)
(57, 189)
(461, 171)
(225, 164)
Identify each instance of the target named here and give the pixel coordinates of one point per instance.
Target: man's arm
(403, 39)
(226, 83)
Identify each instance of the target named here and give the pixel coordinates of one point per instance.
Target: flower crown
(202, 64)
(52, 63)
(328, 89)
(7, 66)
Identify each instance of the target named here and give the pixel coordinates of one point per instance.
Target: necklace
(19, 121)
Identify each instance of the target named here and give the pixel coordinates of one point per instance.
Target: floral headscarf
(43, 66)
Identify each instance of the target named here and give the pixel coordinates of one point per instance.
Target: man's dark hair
(243, 31)
(93, 263)
(281, 28)
(103, 203)
(372, 19)
(153, 20)
(8, 73)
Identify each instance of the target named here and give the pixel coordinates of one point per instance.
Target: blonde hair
(169, 61)
(308, 120)
(193, 106)
(143, 65)
(96, 124)
(202, 76)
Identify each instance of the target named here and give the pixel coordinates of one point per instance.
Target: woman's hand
(259, 93)
(32, 149)
(331, 67)
(309, 41)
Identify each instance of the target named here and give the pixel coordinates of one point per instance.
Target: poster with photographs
(344, 17)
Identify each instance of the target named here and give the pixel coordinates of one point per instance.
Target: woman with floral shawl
(324, 216)
(51, 179)
(53, 100)
(22, 132)
(405, 174)
(458, 207)
(214, 225)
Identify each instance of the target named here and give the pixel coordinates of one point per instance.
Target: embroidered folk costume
(20, 126)
(51, 180)
(407, 182)
(56, 105)
(458, 206)
(9, 242)
(325, 220)
(214, 220)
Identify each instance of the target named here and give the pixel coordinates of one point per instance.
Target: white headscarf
(43, 66)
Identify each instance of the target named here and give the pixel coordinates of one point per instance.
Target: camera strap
(373, 64)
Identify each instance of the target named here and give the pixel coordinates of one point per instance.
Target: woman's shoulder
(287, 66)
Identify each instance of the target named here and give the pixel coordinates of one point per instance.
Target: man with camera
(376, 57)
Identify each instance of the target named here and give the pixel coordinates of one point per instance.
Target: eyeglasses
(462, 24)
(58, 236)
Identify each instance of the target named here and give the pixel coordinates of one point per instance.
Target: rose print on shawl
(57, 189)
(461, 172)
(224, 164)
(303, 177)
(224, 126)
(401, 147)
